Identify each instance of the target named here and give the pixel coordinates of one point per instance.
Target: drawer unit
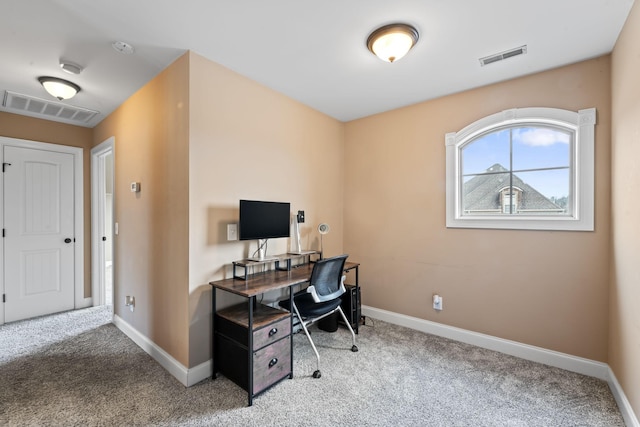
(262, 336)
(272, 333)
(271, 364)
(270, 354)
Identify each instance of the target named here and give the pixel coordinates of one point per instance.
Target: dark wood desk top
(260, 283)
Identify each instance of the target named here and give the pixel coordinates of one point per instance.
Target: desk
(252, 343)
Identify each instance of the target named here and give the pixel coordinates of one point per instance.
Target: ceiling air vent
(48, 110)
(503, 55)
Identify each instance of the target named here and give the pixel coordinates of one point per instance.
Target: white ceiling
(312, 51)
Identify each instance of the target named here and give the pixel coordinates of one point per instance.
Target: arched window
(526, 168)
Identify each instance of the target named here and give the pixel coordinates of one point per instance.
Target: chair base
(309, 320)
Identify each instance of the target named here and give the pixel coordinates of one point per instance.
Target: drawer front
(272, 333)
(271, 364)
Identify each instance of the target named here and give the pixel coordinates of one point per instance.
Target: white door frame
(78, 211)
(97, 267)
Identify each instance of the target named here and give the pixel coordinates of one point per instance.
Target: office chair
(321, 298)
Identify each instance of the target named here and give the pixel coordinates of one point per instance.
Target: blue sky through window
(532, 148)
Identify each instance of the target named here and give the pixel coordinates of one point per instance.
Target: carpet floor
(76, 368)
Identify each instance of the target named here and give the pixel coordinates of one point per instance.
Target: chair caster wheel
(354, 348)
(317, 374)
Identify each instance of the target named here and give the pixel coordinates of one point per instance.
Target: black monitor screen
(264, 220)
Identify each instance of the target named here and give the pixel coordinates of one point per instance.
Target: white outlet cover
(437, 302)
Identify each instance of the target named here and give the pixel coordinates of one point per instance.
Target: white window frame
(581, 123)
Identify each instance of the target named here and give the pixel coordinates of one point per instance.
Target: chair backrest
(327, 278)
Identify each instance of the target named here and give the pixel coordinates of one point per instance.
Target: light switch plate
(232, 232)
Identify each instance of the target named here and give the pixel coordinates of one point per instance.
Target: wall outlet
(130, 302)
(437, 302)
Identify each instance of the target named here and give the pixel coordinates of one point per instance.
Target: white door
(38, 232)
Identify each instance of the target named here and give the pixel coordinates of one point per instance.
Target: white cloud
(540, 137)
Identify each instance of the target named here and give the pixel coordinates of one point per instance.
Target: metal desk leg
(291, 330)
(358, 303)
(213, 334)
(250, 350)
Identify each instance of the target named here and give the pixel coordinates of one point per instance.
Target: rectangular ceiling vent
(48, 110)
(503, 55)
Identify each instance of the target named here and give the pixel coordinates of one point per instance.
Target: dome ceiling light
(393, 41)
(59, 88)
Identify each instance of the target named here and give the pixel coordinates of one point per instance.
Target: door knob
(67, 240)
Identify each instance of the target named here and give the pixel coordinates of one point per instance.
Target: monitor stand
(261, 252)
(258, 259)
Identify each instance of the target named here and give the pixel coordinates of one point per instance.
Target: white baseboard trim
(199, 373)
(629, 416)
(524, 351)
(187, 377)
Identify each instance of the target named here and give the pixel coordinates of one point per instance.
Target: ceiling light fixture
(392, 42)
(59, 88)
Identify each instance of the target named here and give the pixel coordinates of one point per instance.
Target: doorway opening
(102, 222)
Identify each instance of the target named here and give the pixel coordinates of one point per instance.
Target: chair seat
(308, 307)
(321, 298)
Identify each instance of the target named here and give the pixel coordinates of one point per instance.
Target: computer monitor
(260, 220)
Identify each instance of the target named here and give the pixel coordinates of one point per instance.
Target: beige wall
(23, 127)
(151, 250)
(548, 289)
(624, 319)
(200, 137)
(247, 141)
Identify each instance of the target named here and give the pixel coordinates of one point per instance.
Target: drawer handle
(272, 362)
(273, 331)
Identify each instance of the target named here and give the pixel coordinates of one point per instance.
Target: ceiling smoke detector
(503, 55)
(123, 47)
(70, 67)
